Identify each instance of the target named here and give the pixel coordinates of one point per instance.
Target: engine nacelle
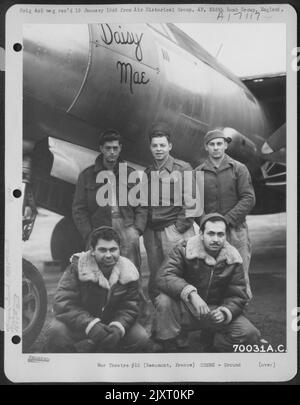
(240, 147)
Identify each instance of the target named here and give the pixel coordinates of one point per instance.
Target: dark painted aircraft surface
(81, 79)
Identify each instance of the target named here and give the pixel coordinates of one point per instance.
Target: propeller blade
(275, 142)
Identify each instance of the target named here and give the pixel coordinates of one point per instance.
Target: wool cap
(216, 133)
(212, 215)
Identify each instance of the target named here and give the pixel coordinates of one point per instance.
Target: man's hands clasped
(112, 339)
(217, 316)
(105, 337)
(199, 305)
(202, 310)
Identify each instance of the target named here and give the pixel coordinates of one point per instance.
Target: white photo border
(87, 367)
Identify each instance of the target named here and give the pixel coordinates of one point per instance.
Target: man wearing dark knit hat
(228, 190)
(203, 287)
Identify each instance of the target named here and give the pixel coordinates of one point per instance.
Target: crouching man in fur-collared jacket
(96, 304)
(203, 287)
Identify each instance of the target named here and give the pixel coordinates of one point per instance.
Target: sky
(245, 49)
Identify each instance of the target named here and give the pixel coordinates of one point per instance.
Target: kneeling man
(97, 301)
(203, 287)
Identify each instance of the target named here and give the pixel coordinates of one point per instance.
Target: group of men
(197, 280)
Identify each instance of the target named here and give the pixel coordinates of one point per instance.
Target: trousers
(171, 317)
(62, 339)
(158, 245)
(130, 240)
(239, 238)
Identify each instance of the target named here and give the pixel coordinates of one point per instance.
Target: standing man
(96, 302)
(203, 287)
(128, 221)
(228, 190)
(167, 222)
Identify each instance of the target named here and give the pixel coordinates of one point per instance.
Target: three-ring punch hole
(17, 47)
(17, 193)
(16, 339)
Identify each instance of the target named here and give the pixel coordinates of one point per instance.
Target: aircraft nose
(55, 62)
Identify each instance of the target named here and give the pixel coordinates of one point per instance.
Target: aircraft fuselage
(81, 79)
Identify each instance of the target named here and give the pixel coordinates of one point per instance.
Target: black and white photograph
(157, 225)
